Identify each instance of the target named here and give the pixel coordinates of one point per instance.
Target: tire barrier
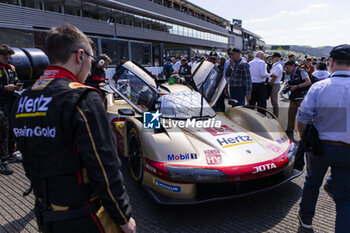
(30, 63)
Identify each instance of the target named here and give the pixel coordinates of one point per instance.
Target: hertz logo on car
(33, 107)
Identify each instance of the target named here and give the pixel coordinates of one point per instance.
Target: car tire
(135, 158)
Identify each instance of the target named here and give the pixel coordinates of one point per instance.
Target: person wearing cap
(239, 79)
(258, 71)
(9, 83)
(275, 80)
(327, 106)
(298, 84)
(308, 67)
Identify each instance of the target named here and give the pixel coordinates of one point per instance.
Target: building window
(128, 18)
(72, 7)
(54, 5)
(138, 21)
(38, 4)
(109, 47)
(90, 10)
(141, 53)
(17, 38)
(14, 2)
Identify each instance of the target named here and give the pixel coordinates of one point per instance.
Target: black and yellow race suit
(8, 76)
(69, 154)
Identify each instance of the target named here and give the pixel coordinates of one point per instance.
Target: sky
(288, 22)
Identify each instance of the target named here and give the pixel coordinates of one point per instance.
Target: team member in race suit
(69, 152)
(8, 84)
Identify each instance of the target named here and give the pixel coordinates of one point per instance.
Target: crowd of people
(76, 169)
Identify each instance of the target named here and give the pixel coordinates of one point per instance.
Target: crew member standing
(8, 84)
(239, 79)
(299, 83)
(97, 78)
(69, 152)
(258, 71)
(276, 76)
(327, 106)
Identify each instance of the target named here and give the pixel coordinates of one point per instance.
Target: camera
(286, 89)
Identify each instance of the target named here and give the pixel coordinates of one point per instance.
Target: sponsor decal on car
(150, 168)
(225, 142)
(169, 187)
(32, 107)
(264, 167)
(274, 148)
(186, 156)
(46, 132)
(219, 131)
(151, 120)
(213, 157)
(282, 139)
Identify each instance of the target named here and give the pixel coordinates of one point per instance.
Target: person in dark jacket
(69, 152)
(97, 78)
(9, 83)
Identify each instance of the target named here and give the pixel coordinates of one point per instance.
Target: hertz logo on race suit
(32, 107)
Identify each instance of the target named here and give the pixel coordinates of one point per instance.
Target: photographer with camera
(298, 85)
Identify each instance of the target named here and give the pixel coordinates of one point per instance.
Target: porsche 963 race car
(182, 151)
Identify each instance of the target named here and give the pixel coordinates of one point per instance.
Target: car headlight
(291, 153)
(196, 175)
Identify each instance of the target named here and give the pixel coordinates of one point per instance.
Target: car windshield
(134, 88)
(185, 105)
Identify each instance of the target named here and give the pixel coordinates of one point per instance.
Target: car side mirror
(126, 112)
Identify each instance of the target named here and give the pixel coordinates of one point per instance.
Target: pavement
(271, 211)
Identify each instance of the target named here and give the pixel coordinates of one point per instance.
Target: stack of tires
(30, 63)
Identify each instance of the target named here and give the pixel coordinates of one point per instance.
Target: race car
(182, 151)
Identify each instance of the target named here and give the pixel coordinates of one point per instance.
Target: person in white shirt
(177, 65)
(321, 71)
(327, 106)
(258, 71)
(277, 71)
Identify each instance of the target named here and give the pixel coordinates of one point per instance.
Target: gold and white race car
(182, 151)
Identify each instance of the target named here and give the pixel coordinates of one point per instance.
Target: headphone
(102, 60)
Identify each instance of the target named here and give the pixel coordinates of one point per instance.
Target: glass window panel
(13, 2)
(170, 28)
(185, 31)
(72, 7)
(128, 19)
(90, 10)
(181, 31)
(104, 13)
(17, 38)
(38, 4)
(138, 21)
(123, 50)
(147, 22)
(117, 16)
(109, 47)
(54, 5)
(95, 40)
(141, 53)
